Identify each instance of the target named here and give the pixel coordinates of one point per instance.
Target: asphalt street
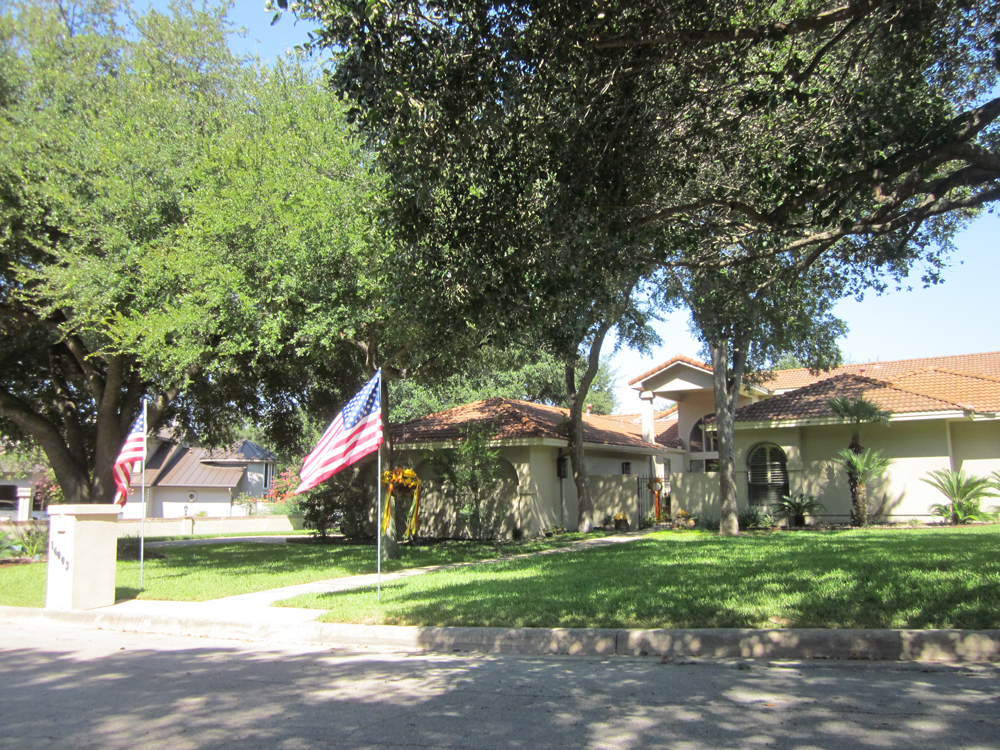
(71, 688)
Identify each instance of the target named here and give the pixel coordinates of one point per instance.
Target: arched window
(767, 475)
(702, 440)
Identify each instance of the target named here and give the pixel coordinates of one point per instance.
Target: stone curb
(704, 643)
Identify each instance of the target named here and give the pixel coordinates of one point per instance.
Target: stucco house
(187, 480)
(537, 491)
(944, 416)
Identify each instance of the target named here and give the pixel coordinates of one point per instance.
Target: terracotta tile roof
(510, 419)
(672, 361)
(970, 390)
(810, 402)
(987, 363)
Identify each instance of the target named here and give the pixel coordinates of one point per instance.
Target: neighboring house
(537, 491)
(944, 416)
(184, 480)
(17, 483)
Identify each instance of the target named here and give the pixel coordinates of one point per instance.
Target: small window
(8, 497)
(268, 475)
(711, 464)
(697, 466)
(626, 467)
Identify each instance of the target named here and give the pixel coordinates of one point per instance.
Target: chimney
(590, 408)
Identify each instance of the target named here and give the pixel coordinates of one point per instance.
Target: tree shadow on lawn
(837, 579)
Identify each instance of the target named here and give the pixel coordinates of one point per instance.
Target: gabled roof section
(986, 363)
(509, 419)
(676, 359)
(243, 451)
(183, 466)
(810, 402)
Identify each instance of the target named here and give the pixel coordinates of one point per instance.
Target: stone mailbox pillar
(83, 552)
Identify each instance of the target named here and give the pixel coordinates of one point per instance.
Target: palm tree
(861, 469)
(964, 492)
(859, 412)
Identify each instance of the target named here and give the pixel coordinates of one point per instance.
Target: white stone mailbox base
(83, 552)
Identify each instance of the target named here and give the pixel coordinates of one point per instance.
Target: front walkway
(331, 585)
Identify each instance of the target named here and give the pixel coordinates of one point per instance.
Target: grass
(213, 571)
(935, 578)
(22, 585)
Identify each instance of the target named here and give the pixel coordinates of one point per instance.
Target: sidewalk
(251, 617)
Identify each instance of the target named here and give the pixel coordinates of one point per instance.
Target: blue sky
(960, 316)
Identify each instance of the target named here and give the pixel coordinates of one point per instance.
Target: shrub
(345, 499)
(796, 507)
(8, 546)
(755, 517)
(248, 502)
(34, 541)
(964, 492)
(471, 479)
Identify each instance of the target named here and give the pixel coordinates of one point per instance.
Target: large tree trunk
(726, 377)
(577, 397)
(728, 523)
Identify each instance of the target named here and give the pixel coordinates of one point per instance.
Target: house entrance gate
(647, 500)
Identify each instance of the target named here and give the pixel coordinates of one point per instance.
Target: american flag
(356, 432)
(132, 453)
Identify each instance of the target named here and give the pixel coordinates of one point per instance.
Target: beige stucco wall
(976, 446)
(539, 500)
(698, 494)
(916, 448)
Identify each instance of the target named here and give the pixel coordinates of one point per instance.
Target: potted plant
(621, 522)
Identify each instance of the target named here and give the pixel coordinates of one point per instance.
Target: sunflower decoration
(401, 483)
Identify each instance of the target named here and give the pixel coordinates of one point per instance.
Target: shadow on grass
(852, 579)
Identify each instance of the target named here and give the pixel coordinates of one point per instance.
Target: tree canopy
(766, 157)
(175, 224)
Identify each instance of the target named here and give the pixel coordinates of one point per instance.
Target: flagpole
(142, 523)
(378, 524)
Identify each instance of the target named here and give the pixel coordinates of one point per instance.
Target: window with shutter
(767, 475)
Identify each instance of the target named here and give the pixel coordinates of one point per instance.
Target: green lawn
(212, 571)
(900, 578)
(22, 585)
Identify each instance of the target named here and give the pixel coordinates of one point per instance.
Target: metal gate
(647, 500)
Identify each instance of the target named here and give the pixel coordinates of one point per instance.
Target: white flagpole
(142, 523)
(378, 522)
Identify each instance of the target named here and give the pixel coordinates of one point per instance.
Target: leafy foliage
(964, 493)
(157, 244)
(755, 517)
(34, 541)
(513, 373)
(470, 475)
(858, 412)
(796, 507)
